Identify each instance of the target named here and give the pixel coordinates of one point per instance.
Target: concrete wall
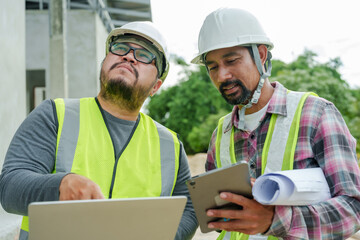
(12, 69)
(24, 45)
(101, 35)
(85, 49)
(86, 44)
(12, 90)
(37, 46)
(37, 39)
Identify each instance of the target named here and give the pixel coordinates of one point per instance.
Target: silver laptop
(154, 218)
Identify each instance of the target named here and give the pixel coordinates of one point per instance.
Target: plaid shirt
(323, 141)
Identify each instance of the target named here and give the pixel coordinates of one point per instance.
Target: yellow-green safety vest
(278, 152)
(84, 147)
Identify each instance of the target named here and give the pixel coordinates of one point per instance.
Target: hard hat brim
(198, 58)
(117, 32)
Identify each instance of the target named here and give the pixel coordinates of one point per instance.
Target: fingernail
(223, 195)
(210, 225)
(210, 213)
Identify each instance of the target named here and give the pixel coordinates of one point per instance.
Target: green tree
(188, 105)
(200, 135)
(192, 107)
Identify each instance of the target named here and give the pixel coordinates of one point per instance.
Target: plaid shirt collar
(277, 105)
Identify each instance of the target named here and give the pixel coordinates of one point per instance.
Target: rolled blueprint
(292, 187)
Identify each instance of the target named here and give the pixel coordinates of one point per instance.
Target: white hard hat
(229, 27)
(148, 31)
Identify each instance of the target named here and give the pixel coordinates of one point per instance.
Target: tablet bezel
(205, 189)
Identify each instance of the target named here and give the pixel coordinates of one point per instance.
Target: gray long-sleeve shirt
(26, 175)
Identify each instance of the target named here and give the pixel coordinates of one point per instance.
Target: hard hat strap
(257, 93)
(263, 75)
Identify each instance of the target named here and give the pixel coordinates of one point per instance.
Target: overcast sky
(327, 27)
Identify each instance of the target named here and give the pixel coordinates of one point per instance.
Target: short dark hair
(249, 48)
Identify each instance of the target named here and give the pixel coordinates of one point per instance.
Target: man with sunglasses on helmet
(102, 147)
(274, 129)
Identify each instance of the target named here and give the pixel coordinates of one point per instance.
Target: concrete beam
(119, 23)
(145, 2)
(131, 13)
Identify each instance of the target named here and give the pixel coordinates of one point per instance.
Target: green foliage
(322, 83)
(200, 135)
(193, 107)
(178, 60)
(277, 67)
(188, 105)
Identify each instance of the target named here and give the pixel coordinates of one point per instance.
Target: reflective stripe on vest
(68, 133)
(167, 149)
(226, 154)
(278, 152)
(281, 139)
(146, 165)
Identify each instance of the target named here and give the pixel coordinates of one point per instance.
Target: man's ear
(156, 87)
(263, 53)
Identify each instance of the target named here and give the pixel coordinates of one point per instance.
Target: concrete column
(12, 91)
(12, 69)
(58, 82)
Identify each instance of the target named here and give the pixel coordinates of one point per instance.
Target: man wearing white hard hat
(274, 129)
(102, 147)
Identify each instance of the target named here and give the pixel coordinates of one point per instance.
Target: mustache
(231, 82)
(132, 67)
(231, 99)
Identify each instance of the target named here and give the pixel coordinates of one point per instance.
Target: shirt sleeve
(334, 150)
(211, 154)
(188, 223)
(26, 174)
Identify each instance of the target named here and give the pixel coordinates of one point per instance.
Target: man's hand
(254, 218)
(77, 187)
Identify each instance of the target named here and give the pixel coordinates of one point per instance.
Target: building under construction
(50, 49)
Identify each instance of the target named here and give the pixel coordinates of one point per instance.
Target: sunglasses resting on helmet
(140, 54)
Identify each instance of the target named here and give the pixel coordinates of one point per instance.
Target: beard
(232, 98)
(121, 93)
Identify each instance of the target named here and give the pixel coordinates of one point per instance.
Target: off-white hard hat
(229, 27)
(148, 31)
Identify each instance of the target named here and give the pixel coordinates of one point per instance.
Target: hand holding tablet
(205, 190)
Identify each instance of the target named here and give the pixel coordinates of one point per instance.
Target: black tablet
(205, 190)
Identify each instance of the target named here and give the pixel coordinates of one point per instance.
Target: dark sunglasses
(140, 54)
